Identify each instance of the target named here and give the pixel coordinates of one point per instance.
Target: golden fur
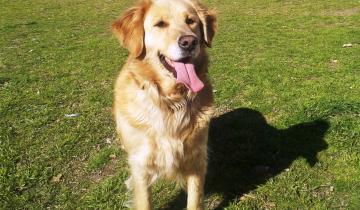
(162, 125)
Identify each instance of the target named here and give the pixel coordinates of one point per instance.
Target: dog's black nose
(188, 42)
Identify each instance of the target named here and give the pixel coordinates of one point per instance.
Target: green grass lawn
(287, 135)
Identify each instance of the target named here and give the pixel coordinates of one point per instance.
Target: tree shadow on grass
(245, 151)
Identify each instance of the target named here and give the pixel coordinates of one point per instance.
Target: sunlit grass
(281, 60)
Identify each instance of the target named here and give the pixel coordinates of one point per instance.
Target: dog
(163, 99)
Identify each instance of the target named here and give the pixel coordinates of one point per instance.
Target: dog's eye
(161, 24)
(189, 21)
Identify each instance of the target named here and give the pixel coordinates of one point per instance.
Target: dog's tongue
(185, 73)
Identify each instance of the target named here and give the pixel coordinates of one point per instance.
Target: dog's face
(176, 29)
(172, 30)
(170, 35)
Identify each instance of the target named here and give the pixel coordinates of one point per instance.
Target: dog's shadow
(245, 151)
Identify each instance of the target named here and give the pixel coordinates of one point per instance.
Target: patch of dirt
(341, 13)
(333, 65)
(106, 171)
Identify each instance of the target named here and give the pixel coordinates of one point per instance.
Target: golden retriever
(163, 97)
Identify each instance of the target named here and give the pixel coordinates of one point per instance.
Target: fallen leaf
(56, 178)
(247, 197)
(108, 140)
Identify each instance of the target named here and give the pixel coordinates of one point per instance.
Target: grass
(287, 92)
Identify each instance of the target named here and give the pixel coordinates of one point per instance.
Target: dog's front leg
(195, 188)
(141, 191)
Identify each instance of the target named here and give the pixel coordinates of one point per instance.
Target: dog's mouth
(167, 63)
(184, 72)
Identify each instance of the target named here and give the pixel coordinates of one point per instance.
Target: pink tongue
(185, 73)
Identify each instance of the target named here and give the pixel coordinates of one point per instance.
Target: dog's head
(171, 35)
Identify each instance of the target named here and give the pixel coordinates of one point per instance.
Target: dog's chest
(168, 130)
(165, 119)
(168, 157)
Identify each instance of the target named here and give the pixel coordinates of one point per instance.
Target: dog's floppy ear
(129, 28)
(208, 21)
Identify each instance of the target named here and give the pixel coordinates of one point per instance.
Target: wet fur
(162, 126)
